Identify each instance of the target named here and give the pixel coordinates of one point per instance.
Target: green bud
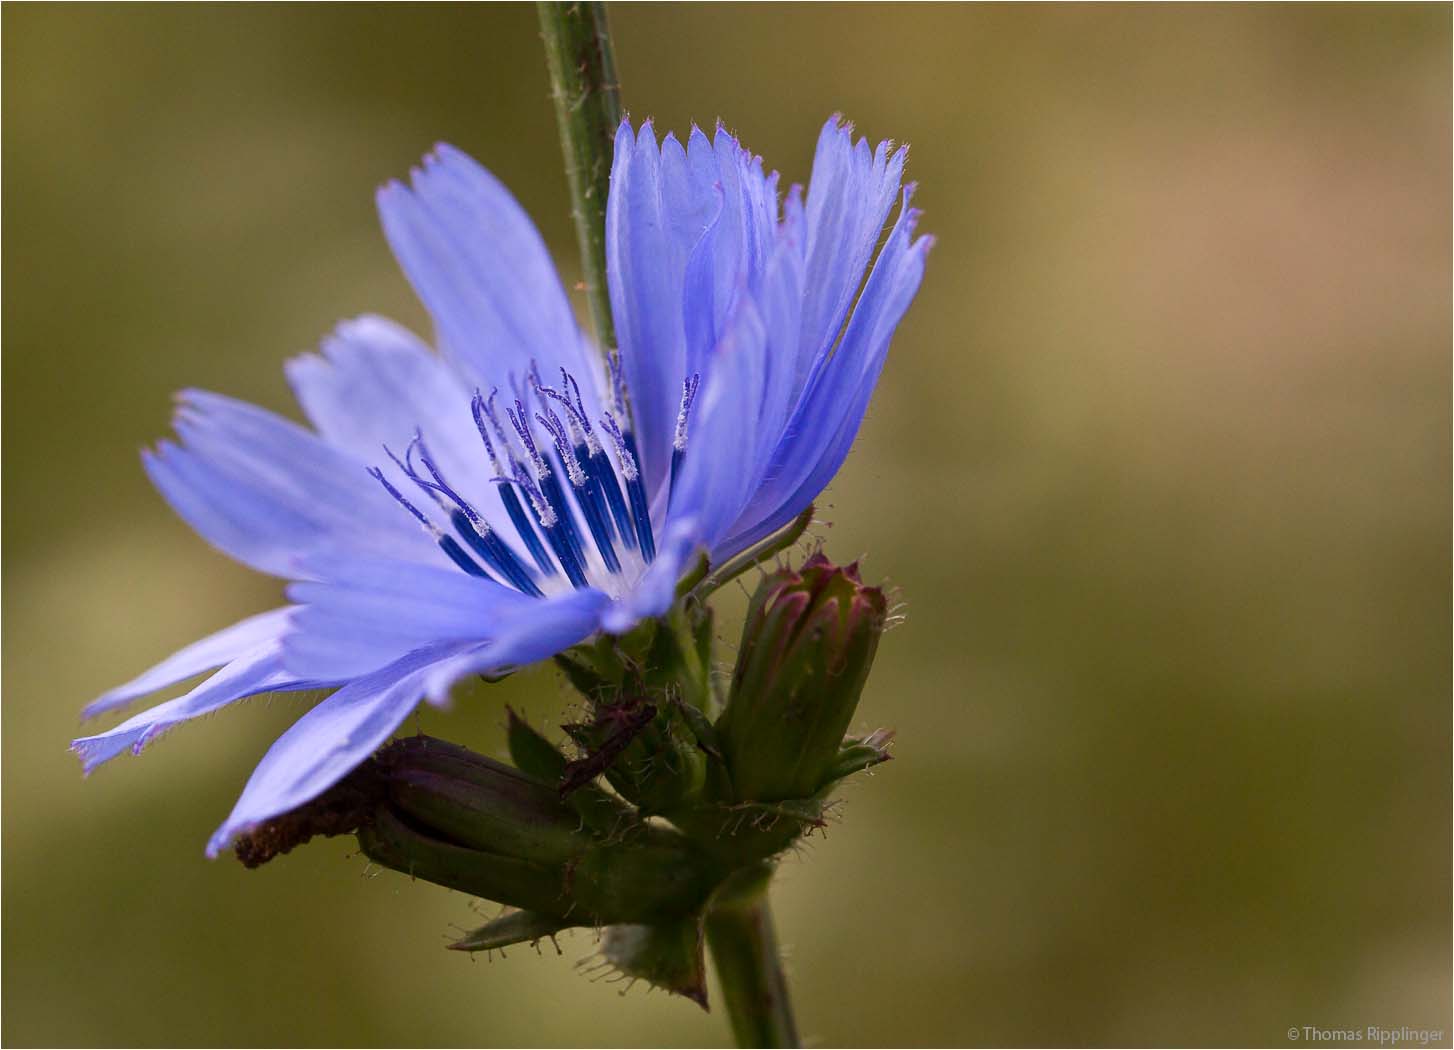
(807, 647)
(462, 820)
(477, 802)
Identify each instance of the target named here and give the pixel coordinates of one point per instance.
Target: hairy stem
(749, 968)
(587, 98)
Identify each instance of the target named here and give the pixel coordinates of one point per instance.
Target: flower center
(582, 518)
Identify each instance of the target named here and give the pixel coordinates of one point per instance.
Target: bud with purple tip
(807, 647)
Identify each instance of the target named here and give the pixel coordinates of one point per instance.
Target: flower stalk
(749, 966)
(587, 99)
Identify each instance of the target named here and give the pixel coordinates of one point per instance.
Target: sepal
(514, 927)
(667, 955)
(857, 754)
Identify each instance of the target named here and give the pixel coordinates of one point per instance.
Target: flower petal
(716, 479)
(686, 230)
(480, 267)
(535, 632)
(850, 194)
(258, 671)
(375, 384)
(329, 741)
(644, 257)
(363, 614)
(212, 651)
(228, 514)
(265, 491)
(817, 438)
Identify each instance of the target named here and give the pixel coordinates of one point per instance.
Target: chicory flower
(486, 507)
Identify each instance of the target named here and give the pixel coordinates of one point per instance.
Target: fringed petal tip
(216, 649)
(838, 132)
(92, 752)
(631, 136)
(96, 751)
(388, 192)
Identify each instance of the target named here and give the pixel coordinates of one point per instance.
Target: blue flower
(487, 507)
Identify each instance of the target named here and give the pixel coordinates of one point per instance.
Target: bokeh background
(1160, 462)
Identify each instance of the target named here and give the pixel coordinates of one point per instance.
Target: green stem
(749, 968)
(588, 109)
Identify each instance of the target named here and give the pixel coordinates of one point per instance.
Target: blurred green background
(1160, 462)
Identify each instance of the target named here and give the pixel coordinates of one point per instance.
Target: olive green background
(1160, 463)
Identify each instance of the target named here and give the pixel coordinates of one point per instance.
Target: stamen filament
(523, 525)
(580, 484)
(495, 553)
(483, 410)
(635, 490)
(679, 439)
(447, 544)
(466, 520)
(556, 534)
(599, 467)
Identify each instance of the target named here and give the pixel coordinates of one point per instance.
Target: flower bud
(479, 803)
(467, 821)
(442, 813)
(806, 650)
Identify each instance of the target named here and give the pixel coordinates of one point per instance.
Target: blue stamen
(550, 524)
(496, 554)
(586, 448)
(609, 489)
(485, 420)
(475, 530)
(595, 490)
(446, 543)
(459, 557)
(546, 479)
(550, 517)
(526, 528)
(575, 388)
(679, 440)
(519, 420)
(590, 504)
(378, 475)
(464, 518)
(565, 520)
(586, 498)
(616, 379)
(635, 489)
(640, 507)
